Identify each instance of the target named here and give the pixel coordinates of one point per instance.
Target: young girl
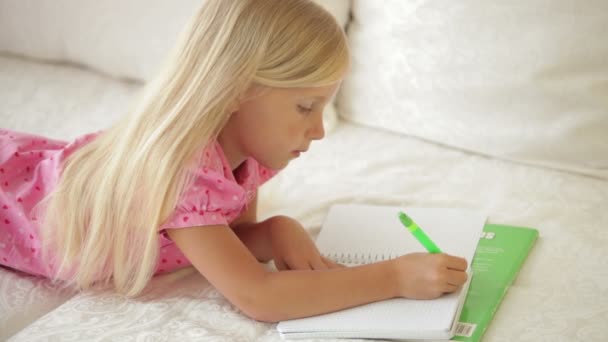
(174, 183)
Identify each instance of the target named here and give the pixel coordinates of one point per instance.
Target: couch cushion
(121, 38)
(25, 298)
(59, 101)
(521, 80)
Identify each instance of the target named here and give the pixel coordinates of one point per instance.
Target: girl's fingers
(449, 288)
(298, 265)
(457, 278)
(457, 263)
(331, 264)
(280, 264)
(318, 264)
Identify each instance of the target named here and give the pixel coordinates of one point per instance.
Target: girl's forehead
(315, 93)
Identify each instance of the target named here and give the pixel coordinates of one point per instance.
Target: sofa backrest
(524, 80)
(122, 38)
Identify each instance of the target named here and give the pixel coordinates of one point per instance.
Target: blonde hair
(101, 222)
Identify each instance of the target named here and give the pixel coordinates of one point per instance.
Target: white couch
(497, 106)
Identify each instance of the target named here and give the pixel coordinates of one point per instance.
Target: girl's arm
(280, 238)
(255, 235)
(224, 260)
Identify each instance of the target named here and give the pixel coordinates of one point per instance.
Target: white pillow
(122, 38)
(523, 80)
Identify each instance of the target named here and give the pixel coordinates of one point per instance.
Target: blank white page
(370, 231)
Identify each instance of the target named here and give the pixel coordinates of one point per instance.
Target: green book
(499, 256)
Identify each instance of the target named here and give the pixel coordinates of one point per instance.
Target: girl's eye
(304, 109)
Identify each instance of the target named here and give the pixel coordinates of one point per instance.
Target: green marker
(418, 233)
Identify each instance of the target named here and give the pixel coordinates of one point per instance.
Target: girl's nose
(316, 130)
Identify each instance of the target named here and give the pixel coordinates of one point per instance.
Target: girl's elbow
(262, 314)
(262, 305)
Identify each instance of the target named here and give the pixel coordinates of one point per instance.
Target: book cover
(499, 256)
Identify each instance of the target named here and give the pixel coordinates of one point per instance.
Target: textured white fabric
(25, 298)
(560, 293)
(122, 38)
(59, 101)
(523, 80)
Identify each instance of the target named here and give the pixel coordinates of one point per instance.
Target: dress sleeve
(200, 205)
(215, 200)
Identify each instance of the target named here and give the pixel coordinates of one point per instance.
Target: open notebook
(355, 234)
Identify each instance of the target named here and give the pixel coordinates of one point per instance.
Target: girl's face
(275, 125)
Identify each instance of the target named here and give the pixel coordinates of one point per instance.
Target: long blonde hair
(101, 223)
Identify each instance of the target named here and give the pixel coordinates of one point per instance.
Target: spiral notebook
(357, 234)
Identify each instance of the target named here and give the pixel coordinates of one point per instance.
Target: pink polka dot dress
(29, 169)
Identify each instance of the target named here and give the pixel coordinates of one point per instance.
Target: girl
(174, 182)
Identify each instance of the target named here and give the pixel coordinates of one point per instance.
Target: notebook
(357, 234)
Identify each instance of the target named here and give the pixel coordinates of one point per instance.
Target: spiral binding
(358, 258)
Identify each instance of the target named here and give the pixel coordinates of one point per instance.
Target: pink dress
(29, 170)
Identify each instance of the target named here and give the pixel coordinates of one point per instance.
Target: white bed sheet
(58, 100)
(61, 102)
(25, 298)
(561, 293)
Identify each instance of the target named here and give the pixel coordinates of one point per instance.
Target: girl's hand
(293, 249)
(428, 276)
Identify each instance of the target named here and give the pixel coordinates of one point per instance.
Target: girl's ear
(234, 107)
(235, 104)
(253, 91)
